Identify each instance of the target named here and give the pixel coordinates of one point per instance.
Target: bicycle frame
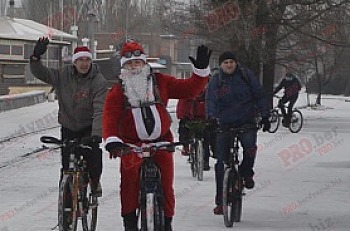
(151, 193)
(233, 189)
(73, 186)
(196, 158)
(295, 124)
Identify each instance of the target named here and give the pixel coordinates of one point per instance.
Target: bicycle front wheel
(152, 216)
(232, 197)
(200, 159)
(90, 203)
(296, 122)
(67, 210)
(274, 121)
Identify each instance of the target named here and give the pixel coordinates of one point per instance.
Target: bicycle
(296, 121)
(196, 147)
(233, 186)
(151, 194)
(75, 201)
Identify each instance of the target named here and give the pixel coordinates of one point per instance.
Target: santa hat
(80, 52)
(131, 51)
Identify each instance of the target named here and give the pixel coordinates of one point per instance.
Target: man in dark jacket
(292, 86)
(81, 91)
(235, 98)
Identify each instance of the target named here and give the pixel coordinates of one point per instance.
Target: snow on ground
(302, 180)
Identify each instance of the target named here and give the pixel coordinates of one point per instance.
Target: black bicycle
(196, 148)
(151, 197)
(75, 200)
(233, 186)
(296, 121)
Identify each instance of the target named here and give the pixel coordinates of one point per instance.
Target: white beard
(138, 85)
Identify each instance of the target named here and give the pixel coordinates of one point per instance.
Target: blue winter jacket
(235, 100)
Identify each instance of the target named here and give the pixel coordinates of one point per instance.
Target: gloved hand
(40, 47)
(115, 148)
(92, 141)
(265, 122)
(203, 57)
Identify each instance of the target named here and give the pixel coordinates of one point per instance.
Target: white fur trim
(201, 72)
(81, 54)
(113, 139)
(140, 127)
(124, 60)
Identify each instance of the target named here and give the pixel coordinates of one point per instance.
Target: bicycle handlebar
(238, 130)
(147, 149)
(71, 142)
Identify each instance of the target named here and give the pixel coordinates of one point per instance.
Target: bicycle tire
(193, 160)
(152, 214)
(232, 197)
(275, 121)
(67, 215)
(296, 122)
(90, 205)
(199, 160)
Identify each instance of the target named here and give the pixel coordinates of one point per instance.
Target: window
(28, 50)
(54, 53)
(16, 50)
(5, 49)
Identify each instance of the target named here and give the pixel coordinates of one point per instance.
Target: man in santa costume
(135, 112)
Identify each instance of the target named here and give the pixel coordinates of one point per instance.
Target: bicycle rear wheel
(274, 121)
(296, 122)
(90, 203)
(232, 197)
(67, 212)
(199, 159)
(193, 160)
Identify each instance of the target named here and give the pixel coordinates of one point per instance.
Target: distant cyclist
(292, 87)
(193, 109)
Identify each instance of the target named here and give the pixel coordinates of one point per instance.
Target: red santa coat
(193, 108)
(124, 124)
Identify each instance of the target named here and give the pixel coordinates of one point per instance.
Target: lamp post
(92, 19)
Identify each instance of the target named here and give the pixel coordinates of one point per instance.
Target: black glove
(92, 141)
(40, 47)
(202, 59)
(115, 148)
(265, 122)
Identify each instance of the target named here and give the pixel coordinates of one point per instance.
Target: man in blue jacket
(235, 98)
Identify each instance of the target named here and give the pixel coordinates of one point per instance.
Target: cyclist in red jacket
(191, 109)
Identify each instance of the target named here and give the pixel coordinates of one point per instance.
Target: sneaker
(249, 182)
(218, 210)
(96, 189)
(206, 166)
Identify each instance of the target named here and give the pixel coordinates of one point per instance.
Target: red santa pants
(130, 182)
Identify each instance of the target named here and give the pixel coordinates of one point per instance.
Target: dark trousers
(93, 157)
(248, 141)
(287, 115)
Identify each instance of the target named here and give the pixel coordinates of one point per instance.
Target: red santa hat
(81, 52)
(131, 51)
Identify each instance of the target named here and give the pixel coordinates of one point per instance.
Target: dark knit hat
(227, 55)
